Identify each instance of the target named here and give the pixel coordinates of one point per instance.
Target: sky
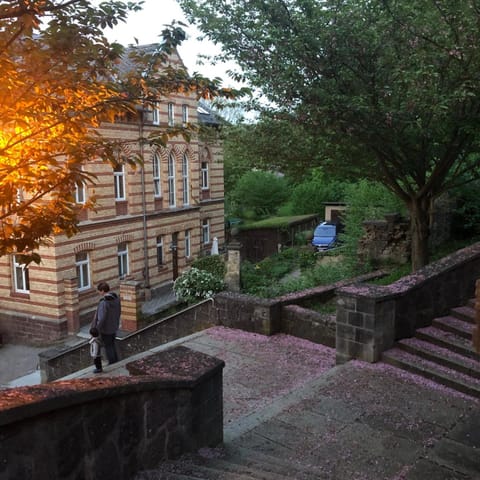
(147, 25)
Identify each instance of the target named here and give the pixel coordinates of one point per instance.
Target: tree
(391, 86)
(259, 192)
(310, 195)
(59, 80)
(269, 144)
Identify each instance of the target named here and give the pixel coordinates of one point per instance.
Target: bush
(264, 278)
(195, 285)
(259, 193)
(213, 264)
(310, 195)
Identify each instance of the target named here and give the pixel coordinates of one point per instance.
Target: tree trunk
(420, 230)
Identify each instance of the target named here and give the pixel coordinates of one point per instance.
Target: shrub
(213, 264)
(195, 285)
(259, 193)
(310, 195)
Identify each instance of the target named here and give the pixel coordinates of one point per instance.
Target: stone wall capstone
(113, 427)
(371, 317)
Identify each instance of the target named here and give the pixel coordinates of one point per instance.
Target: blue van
(324, 236)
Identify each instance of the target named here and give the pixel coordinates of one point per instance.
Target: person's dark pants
(97, 361)
(109, 344)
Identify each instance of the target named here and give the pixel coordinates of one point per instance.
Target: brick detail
(130, 296)
(72, 305)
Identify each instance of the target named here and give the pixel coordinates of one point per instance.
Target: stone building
(150, 223)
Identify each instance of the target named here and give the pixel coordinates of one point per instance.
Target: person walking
(107, 320)
(95, 349)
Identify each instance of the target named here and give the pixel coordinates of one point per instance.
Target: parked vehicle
(325, 236)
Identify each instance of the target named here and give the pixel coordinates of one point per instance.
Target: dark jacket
(107, 316)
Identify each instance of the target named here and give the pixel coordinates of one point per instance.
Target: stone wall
(387, 239)
(233, 310)
(245, 312)
(476, 328)
(30, 330)
(370, 317)
(59, 362)
(111, 428)
(308, 324)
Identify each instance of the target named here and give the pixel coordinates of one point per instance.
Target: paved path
(19, 362)
(284, 398)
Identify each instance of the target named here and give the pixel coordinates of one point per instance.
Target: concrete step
(232, 463)
(157, 475)
(454, 325)
(276, 465)
(442, 356)
(465, 313)
(433, 371)
(452, 341)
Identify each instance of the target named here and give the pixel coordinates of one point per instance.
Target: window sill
(23, 295)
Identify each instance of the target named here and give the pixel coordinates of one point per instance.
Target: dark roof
(207, 116)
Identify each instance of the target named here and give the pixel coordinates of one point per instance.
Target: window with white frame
(171, 114)
(206, 231)
(157, 180)
(188, 244)
(119, 182)
(122, 254)
(80, 193)
(82, 266)
(21, 280)
(204, 176)
(160, 251)
(156, 114)
(185, 180)
(171, 180)
(184, 114)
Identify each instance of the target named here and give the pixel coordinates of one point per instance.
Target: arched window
(157, 180)
(185, 180)
(171, 180)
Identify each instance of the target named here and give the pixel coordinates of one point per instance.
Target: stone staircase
(233, 462)
(442, 352)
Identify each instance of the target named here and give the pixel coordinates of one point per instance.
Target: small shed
(333, 211)
(264, 238)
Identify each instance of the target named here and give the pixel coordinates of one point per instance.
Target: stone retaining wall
(229, 309)
(371, 317)
(113, 427)
(308, 324)
(266, 316)
(476, 328)
(59, 362)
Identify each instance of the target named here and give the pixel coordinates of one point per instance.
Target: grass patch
(275, 222)
(298, 268)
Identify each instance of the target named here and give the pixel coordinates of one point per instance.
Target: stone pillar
(130, 298)
(232, 277)
(365, 323)
(72, 305)
(476, 329)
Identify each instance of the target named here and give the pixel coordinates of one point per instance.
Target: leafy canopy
(260, 193)
(390, 86)
(59, 80)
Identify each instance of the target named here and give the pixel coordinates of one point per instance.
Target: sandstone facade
(148, 226)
